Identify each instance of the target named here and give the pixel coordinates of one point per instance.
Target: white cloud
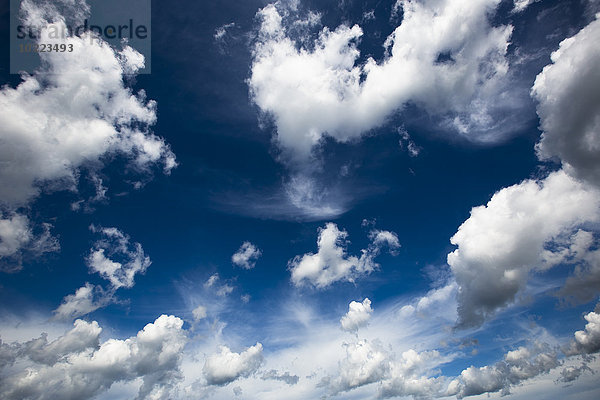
(518, 365)
(318, 90)
(226, 366)
(567, 91)
(521, 5)
(406, 142)
(368, 362)
(199, 313)
(72, 113)
(224, 290)
(331, 263)
(76, 366)
(211, 281)
(14, 234)
(18, 239)
(246, 256)
(503, 241)
(132, 261)
(116, 244)
(358, 315)
(381, 238)
(85, 300)
(587, 341)
(221, 31)
(365, 363)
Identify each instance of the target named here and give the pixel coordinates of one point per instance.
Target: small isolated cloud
(226, 366)
(220, 290)
(246, 256)
(521, 5)
(77, 366)
(199, 313)
(224, 290)
(331, 263)
(358, 315)
(221, 31)
(380, 239)
(211, 281)
(115, 244)
(407, 143)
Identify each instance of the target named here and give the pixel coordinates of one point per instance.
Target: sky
(302, 200)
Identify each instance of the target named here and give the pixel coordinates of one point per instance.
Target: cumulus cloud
(85, 300)
(77, 366)
(409, 376)
(518, 365)
(115, 259)
(504, 240)
(226, 366)
(358, 315)
(331, 263)
(568, 95)
(368, 362)
(381, 238)
(116, 244)
(587, 341)
(318, 89)
(365, 362)
(246, 256)
(72, 114)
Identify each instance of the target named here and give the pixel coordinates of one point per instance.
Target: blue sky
(302, 200)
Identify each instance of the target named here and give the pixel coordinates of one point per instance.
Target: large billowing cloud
(536, 224)
(77, 366)
(74, 112)
(226, 366)
(568, 95)
(320, 89)
(331, 263)
(504, 240)
(368, 362)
